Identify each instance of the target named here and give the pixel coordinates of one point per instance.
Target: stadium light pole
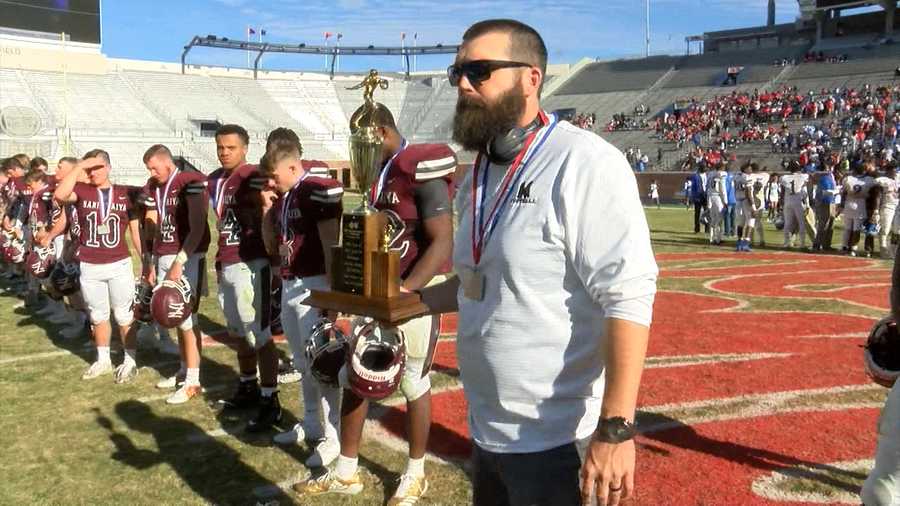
(647, 29)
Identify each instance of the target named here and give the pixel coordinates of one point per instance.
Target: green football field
(69, 441)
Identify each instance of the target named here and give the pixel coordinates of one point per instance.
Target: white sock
(103, 354)
(267, 391)
(247, 377)
(130, 355)
(345, 467)
(192, 376)
(416, 467)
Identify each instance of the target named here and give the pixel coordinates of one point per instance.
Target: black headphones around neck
(503, 149)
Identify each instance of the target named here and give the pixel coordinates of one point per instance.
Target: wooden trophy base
(389, 310)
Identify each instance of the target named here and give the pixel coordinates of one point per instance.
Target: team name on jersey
(90, 204)
(389, 198)
(293, 214)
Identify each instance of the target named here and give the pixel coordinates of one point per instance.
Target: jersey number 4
(231, 229)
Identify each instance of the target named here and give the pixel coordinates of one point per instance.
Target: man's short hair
(380, 116)
(35, 175)
(157, 149)
(526, 44)
(37, 162)
(236, 130)
(99, 153)
(283, 136)
(23, 159)
(68, 159)
(11, 163)
(279, 150)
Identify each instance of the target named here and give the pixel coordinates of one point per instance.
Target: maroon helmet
(65, 278)
(375, 366)
(14, 252)
(326, 351)
(143, 294)
(170, 305)
(40, 261)
(882, 354)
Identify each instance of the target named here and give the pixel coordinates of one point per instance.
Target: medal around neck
(365, 272)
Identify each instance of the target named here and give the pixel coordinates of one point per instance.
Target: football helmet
(14, 252)
(143, 294)
(779, 222)
(170, 304)
(882, 353)
(375, 364)
(65, 278)
(326, 351)
(40, 261)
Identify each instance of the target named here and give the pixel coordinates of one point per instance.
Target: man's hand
(268, 197)
(149, 275)
(608, 473)
(42, 238)
(174, 273)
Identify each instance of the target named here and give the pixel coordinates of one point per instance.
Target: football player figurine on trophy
(365, 272)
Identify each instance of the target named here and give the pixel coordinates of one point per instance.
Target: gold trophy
(365, 273)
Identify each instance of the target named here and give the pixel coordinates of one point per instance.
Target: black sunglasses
(477, 71)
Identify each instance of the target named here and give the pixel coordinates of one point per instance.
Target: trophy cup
(365, 273)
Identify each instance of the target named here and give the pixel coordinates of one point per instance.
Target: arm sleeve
(606, 234)
(432, 198)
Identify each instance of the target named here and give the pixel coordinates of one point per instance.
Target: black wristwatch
(614, 430)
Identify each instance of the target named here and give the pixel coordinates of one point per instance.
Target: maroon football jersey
(175, 218)
(44, 208)
(234, 196)
(415, 165)
(101, 237)
(315, 200)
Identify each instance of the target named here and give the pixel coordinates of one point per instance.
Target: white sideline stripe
(35, 356)
(767, 486)
(767, 404)
(281, 486)
(159, 397)
(663, 362)
(849, 335)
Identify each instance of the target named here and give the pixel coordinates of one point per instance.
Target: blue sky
(158, 29)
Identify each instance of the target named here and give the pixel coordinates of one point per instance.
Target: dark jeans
(547, 478)
(698, 208)
(728, 214)
(824, 225)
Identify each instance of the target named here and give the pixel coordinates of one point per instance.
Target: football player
(105, 212)
(794, 201)
(760, 179)
(244, 275)
(414, 191)
(888, 206)
(745, 208)
(853, 207)
(176, 201)
(63, 233)
(300, 229)
(716, 191)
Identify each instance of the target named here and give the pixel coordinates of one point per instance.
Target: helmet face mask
(65, 278)
(171, 303)
(143, 295)
(326, 352)
(882, 353)
(376, 364)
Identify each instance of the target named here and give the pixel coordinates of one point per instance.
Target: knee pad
(413, 385)
(124, 316)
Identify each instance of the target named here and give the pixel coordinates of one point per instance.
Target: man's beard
(476, 123)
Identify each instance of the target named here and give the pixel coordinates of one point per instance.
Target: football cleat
(329, 483)
(98, 368)
(325, 453)
(246, 396)
(184, 394)
(268, 415)
(126, 372)
(296, 434)
(410, 490)
(170, 382)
